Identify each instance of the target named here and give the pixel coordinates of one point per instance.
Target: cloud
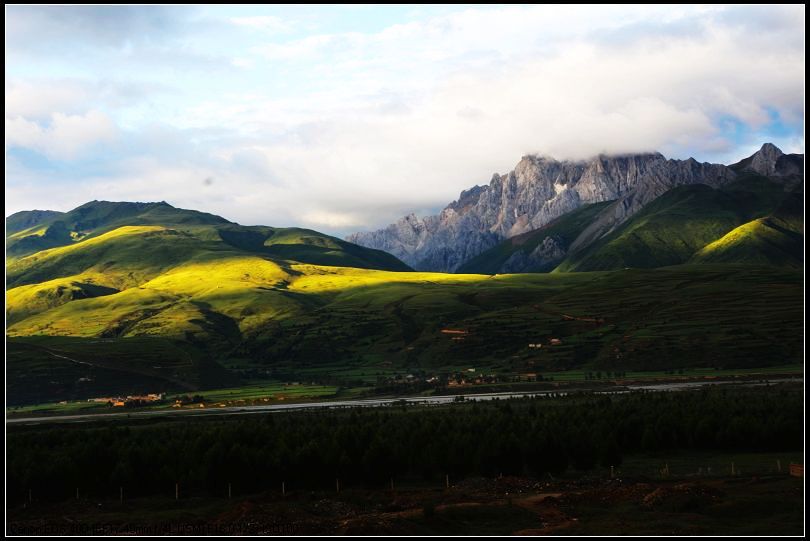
(265, 23)
(39, 98)
(67, 137)
(351, 128)
(39, 28)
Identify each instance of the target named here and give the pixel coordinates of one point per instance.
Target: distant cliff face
(537, 191)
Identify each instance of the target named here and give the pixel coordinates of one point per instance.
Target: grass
(563, 230)
(272, 392)
(47, 369)
(352, 325)
(763, 241)
(211, 303)
(674, 229)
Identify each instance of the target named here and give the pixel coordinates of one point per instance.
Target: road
(379, 402)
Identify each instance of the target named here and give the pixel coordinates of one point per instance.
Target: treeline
(532, 436)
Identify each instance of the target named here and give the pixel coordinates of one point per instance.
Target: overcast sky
(346, 118)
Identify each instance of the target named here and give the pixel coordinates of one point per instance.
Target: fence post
(337, 485)
(77, 493)
(732, 470)
(392, 484)
(283, 488)
(121, 494)
(447, 481)
(229, 491)
(778, 465)
(177, 491)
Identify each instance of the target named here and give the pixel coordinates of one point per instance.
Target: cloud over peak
(345, 118)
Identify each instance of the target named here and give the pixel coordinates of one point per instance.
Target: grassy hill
(49, 229)
(335, 324)
(671, 230)
(563, 230)
(777, 239)
(149, 308)
(26, 219)
(665, 232)
(31, 232)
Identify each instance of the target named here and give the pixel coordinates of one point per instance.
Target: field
(353, 328)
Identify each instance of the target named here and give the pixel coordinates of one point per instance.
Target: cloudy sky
(345, 118)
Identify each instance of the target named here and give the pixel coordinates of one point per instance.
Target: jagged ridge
(541, 189)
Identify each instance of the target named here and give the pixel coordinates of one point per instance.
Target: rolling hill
(680, 226)
(218, 321)
(777, 239)
(144, 297)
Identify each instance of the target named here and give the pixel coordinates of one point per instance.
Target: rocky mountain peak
(764, 160)
(541, 189)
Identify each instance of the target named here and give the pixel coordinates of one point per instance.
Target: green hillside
(51, 229)
(150, 308)
(338, 324)
(674, 227)
(670, 230)
(26, 219)
(774, 240)
(125, 228)
(563, 230)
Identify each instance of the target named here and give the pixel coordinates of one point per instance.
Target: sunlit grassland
(209, 314)
(122, 258)
(761, 241)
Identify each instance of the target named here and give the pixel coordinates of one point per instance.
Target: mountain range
(578, 215)
(693, 265)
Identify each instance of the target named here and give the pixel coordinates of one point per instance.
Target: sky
(344, 119)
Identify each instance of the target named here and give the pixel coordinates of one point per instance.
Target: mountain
(536, 251)
(20, 221)
(29, 232)
(540, 189)
(174, 306)
(98, 257)
(673, 228)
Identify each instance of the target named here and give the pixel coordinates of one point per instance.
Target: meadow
(209, 324)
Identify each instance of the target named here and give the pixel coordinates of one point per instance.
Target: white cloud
(39, 100)
(353, 129)
(266, 23)
(66, 137)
